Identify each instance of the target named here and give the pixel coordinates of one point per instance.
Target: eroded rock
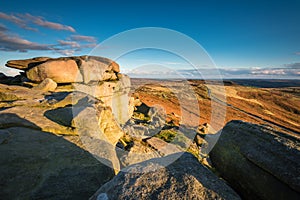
(40, 165)
(61, 71)
(47, 85)
(259, 162)
(185, 178)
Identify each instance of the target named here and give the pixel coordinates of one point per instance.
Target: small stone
(47, 85)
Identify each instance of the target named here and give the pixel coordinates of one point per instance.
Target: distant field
(272, 102)
(267, 83)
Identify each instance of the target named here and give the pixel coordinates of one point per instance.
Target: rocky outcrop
(259, 162)
(83, 96)
(68, 69)
(185, 178)
(95, 76)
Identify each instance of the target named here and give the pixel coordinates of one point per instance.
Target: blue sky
(258, 36)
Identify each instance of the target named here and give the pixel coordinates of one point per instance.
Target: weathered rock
(12, 93)
(40, 165)
(185, 178)
(103, 90)
(47, 85)
(200, 141)
(98, 131)
(61, 71)
(138, 152)
(68, 69)
(35, 115)
(133, 103)
(205, 129)
(109, 126)
(27, 63)
(137, 131)
(163, 147)
(113, 94)
(97, 70)
(120, 101)
(7, 97)
(260, 163)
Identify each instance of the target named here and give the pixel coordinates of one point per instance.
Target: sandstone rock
(113, 94)
(98, 70)
(113, 65)
(63, 116)
(68, 69)
(27, 63)
(200, 141)
(6, 97)
(13, 92)
(137, 131)
(260, 163)
(35, 115)
(61, 71)
(138, 152)
(133, 103)
(205, 129)
(109, 126)
(47, 85)
(120, 101)
(63, 99)
(98, 131)
(40, 165)
(103, 90)
(163, 147)
(185, 178)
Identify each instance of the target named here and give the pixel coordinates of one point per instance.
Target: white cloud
(13, 42)
(25, 20)
(83, 38)
(72, 44)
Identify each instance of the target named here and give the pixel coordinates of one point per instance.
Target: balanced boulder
(61, 71)
(84, 69)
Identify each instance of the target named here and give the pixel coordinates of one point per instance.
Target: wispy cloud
(83, 38)
(16, 20)
(10, 42)
(293, 65)
(13, 42)
(66, 52)
(25, 20)
(72, 44)
(40, 21)
(3, 28)
(298, 53)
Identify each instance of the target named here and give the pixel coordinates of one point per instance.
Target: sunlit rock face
(95, 76)
(82, 98)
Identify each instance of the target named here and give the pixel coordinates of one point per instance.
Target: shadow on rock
(40, 165)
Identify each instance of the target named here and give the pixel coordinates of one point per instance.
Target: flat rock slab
(40, 165)
(163, 147)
